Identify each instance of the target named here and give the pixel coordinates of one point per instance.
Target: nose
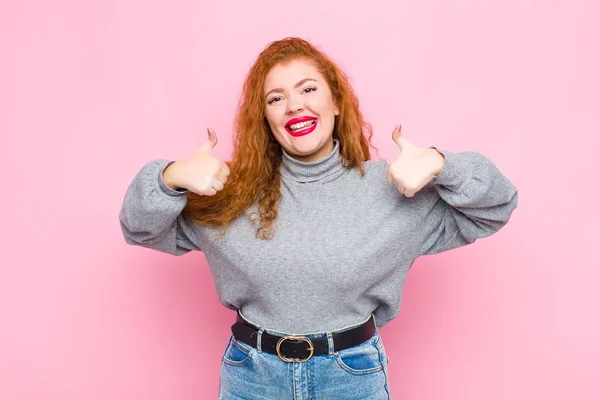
(294, 105)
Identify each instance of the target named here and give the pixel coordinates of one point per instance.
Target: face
(300, 110)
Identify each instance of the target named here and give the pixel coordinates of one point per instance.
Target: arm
(151, 213)
(475, 201)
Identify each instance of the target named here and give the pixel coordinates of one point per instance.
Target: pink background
(90, 92)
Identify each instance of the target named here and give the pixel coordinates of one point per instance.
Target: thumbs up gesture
(414, 167)
(201, 173)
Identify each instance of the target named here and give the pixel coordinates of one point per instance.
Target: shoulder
(375, 168)
(373, 179)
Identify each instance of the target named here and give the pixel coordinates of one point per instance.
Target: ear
(336, 110)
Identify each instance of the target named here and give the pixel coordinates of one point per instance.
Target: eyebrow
(300, 83)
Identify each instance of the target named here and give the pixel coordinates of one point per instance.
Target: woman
(307, 237)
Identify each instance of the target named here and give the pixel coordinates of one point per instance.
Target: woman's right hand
(202, 173)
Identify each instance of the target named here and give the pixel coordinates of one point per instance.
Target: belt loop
(330, 343)
(259, 340)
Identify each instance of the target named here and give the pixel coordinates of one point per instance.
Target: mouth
(301, 126)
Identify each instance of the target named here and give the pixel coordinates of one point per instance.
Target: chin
(306, 149)
(303, 146)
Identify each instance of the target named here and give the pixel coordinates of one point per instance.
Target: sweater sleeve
(151, 213)
(475, 201)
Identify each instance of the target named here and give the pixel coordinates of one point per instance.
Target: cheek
(323, 106)
(273, 116)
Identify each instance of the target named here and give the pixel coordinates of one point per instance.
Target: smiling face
(300, 110)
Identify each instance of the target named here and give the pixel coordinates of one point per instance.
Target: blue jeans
(359, 372)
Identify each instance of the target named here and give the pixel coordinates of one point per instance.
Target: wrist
(438, 161)
(168, 176)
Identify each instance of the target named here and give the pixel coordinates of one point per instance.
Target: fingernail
(208, 130)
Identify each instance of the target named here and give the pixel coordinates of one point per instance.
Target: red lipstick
(304, 130)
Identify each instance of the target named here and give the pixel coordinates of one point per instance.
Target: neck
(311, 171)
(316, 156)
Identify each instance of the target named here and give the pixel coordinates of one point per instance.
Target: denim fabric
(359, 372)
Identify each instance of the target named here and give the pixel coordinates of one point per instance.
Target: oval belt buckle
(311, 348)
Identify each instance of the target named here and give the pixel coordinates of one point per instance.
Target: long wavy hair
(257, 154)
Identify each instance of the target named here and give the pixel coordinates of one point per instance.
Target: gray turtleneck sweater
(343, 243)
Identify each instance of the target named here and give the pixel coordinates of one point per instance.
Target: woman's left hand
(414, 167)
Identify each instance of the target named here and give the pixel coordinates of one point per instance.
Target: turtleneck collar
(305, 172)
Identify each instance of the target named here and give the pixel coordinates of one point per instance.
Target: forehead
(288, 74)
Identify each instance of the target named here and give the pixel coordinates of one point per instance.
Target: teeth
(301, 125)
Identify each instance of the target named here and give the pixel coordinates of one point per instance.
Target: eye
(273, 99)
(309, 89)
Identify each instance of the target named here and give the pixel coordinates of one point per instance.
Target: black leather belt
(299, 348)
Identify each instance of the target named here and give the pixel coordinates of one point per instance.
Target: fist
(201, 173)
(414, 167)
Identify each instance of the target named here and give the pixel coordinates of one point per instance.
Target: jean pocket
(237, 353)
(361, 359)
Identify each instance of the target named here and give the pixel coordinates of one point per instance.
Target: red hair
(257, 155)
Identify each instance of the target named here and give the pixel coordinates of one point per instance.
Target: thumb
(402, 143)
(397, 135)
(211, 142)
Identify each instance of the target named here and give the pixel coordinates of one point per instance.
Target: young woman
(306, 237)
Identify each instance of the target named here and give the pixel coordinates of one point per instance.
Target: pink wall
(92, 90)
